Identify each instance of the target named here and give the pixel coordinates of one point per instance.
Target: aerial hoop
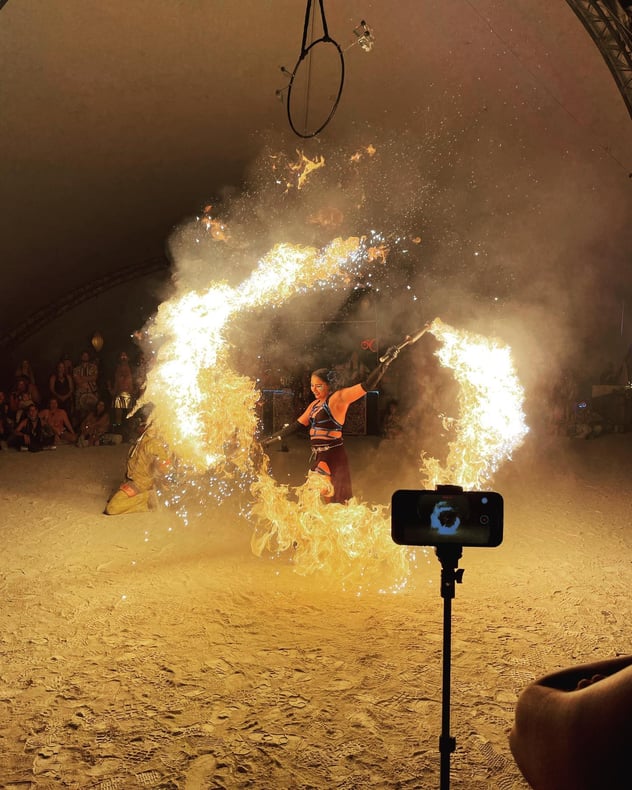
(305, 51)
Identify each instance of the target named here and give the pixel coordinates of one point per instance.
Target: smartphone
(433, 518)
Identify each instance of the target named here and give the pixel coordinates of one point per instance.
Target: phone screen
(431, 518)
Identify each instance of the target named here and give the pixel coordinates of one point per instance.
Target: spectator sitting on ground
(19, 399)
(587, 423)
(95, 426)
(573, 728)
(6, 424)
(56, 420)
(30, 434)
(25, 371)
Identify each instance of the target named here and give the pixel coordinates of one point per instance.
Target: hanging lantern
(97, 341)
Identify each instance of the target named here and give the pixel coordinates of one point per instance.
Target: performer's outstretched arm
(287, 430)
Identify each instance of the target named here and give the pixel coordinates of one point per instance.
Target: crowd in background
(607, 410)
(80, 403)
(77, 403)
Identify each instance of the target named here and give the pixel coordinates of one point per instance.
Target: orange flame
(304, 167)
(206, 413)
(350, 543)
(217, 229)
(491, 422)
(205, 410)
(369, 150)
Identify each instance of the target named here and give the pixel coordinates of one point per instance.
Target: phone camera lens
(484, 520)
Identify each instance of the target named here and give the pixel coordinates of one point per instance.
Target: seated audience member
(25, 371)
(573, 728)
(19, 399)
(95, 426)
(6, 424)
(56, 421)
(62, 387)
(30, 435)
(587, 423)
(148, 457)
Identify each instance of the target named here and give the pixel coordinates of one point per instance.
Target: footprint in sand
(200, 772)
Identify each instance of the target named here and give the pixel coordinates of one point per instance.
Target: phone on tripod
(438, 517)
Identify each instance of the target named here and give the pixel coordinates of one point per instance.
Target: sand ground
(136, 652)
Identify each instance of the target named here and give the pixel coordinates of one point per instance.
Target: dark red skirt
(338, 463)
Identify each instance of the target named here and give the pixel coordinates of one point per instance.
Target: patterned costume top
(324, 429)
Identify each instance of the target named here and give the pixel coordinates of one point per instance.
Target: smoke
(495, 252)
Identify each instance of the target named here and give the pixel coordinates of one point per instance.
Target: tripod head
(449, 555)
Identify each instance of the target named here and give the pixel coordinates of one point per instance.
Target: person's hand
(585, 682)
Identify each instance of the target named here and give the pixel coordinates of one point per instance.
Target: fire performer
(147, 458)
(325, 417)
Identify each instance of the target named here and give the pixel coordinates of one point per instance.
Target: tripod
(448, 521)
(449, 555)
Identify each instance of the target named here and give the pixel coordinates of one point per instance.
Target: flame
(491, 422)
(369, 150)
(205, 410)
(217, 229)
(207, 414)
(353, 542)
(349, 543)
(304, 166)
(377, 253)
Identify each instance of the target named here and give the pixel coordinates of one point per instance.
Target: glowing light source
(207, 413)
(491, 422)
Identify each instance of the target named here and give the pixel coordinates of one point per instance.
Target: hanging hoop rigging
(305, 51)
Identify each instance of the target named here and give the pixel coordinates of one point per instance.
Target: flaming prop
(206, 413)
(491, 423)
(352, 542)
(204, 409)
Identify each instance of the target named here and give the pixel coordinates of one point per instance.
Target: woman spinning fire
(325, 417)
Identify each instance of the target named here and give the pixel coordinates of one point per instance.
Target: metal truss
(34, 322)
(610, 27)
